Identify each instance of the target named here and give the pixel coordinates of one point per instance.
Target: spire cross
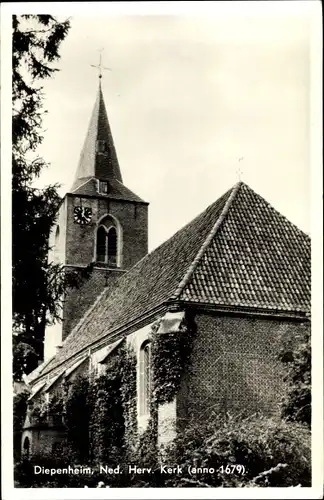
(99, 66)
(239, 171)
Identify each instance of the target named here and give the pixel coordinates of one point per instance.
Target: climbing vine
(170, 359)
(99, 413)
(107, 419)
(77, 416)
(129, 397)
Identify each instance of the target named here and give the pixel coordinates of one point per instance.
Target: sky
(195, 103)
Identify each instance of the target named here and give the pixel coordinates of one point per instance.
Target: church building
(238, 274)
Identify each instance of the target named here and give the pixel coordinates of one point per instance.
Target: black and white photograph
(161, 320)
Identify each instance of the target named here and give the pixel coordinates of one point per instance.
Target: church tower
(101, 226)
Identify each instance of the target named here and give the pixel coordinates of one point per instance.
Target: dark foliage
(107, 425)
(77, 413)
(255, 452)
(297, 404)
(37, 285)
(170, 359)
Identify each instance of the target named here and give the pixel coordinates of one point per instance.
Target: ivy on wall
(128, 373)
(77, 406)
(170, 359)
(114, 412)
(100, 413)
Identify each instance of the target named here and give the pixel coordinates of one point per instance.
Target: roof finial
(239, 171)
(99, 66)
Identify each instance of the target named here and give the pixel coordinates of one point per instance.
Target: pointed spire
(98, 157)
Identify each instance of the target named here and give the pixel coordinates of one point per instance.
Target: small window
(103, 187)
(26, 447)
(145, 379)
(102, 146)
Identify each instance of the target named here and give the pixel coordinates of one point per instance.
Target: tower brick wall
(78, 300)
(81, 247)
(80, 239)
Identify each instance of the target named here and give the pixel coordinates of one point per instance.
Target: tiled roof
(257, 259)
(239, 253)
(117, 190)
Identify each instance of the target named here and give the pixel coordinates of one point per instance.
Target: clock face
(82, 215)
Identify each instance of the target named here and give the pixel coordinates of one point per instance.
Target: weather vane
(99, 66)
(239, 171)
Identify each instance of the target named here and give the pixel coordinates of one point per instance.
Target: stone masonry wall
(42, 440)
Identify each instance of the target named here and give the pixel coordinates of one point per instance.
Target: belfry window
(107, 243)
(145, 379)
(112, 246)
(101, 244)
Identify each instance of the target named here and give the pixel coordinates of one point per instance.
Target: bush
(297, 404)
(259, 444)
(273, 453)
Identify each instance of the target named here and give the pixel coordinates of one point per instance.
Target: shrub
(297, 403)
(259, 444)
(274, 453)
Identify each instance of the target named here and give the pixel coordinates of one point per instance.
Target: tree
(37, 285)
(297, 404)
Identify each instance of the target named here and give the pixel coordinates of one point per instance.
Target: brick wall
(235, 366)
(57, 246)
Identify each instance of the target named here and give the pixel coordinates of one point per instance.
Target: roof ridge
(274, 209)
(207, 241)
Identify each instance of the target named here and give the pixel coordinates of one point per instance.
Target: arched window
(112, 246)
(145, 379)
(101, 244)
(26, 447)
(107, 246)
